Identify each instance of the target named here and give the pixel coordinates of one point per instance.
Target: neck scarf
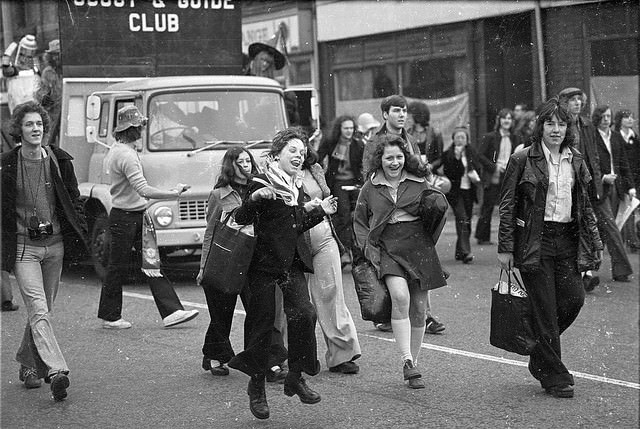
(283, 184)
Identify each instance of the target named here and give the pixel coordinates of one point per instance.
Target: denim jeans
(37, 272)
(126, 230)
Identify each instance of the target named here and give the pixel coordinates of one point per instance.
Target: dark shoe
(30, 377)
(258, 398)
(467, 259)
(59, 385)
(485, 243)
(562, 391)
(9, 306)
(277, 376)
(349, 367)
(384, 327)
(416, 383)
(433, 326)
(590, 282)
(219, 370)
(459, 257)
(410, 371)
(623, 279)
(295, 385)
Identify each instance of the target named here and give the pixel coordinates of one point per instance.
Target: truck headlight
(163, 216)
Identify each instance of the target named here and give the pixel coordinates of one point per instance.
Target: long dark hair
(227, 172)
(336, 129)
(620, 114)
(19, 113)
(412, 163)
(546, 111)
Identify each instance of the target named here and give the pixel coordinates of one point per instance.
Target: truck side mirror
(93, 107)
(90, 134)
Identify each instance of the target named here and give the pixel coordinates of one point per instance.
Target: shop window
(614, 57)
(354, 84)
(431, 79)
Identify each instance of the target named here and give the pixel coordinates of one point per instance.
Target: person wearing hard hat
(20, 68)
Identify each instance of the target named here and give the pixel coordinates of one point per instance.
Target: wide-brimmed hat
(54, 47)
(366, 121)
(279, 59)
(129, 116)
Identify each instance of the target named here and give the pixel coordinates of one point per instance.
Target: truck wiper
(214, 144)
(253, 143)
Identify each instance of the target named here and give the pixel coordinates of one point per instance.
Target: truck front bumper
(186, 237)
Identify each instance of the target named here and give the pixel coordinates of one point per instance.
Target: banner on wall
(446, 113)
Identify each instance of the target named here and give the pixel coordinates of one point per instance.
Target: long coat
(522, 205)
(277, 227)
(69, 209)
(620, 165)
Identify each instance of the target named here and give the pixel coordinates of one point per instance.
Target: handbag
(229, 256)
(511, 317)
(373, 295)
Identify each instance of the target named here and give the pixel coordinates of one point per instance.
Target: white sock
(417, 334)
(402, 335)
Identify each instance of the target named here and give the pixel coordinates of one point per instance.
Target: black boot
(258, 398)
(294, 384)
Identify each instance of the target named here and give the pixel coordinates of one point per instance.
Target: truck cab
(193, 120)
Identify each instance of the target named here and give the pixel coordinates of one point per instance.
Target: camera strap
(29, 187)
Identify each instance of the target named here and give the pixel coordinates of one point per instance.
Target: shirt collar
(379, 179)
(604, 134)
(565, 154)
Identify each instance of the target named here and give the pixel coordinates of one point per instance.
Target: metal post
(7, 27)
(540, 43)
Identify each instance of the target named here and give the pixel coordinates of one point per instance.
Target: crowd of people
(558, 179)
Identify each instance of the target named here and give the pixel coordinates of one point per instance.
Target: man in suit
(616, 182)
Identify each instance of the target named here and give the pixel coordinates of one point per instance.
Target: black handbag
(229, 257)
(373, 295)
(511, 318)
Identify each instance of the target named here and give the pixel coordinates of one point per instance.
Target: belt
(559, 227)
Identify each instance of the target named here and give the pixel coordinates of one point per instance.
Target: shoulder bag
(511, 318)
(229, 256)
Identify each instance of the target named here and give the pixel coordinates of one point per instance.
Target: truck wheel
(100, 239)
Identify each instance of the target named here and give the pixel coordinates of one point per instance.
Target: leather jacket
(522, 206)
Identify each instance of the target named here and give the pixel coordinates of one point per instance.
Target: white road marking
(438, 348)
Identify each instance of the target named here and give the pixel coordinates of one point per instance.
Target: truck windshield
(192, 120)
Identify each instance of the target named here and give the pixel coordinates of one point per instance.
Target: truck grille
(193, 210)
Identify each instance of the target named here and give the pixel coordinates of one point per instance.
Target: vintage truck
(193, 120)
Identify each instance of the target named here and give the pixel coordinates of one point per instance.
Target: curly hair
(19, 112)
(412, 163)
(227, 171)
(129, 135)
(283, 137)
(420, 112)
(336, 129)
(546, 111)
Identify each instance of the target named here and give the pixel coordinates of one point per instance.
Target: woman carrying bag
(394, 232)
(238, 166)
(548, 231)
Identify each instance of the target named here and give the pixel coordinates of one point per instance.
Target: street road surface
(150, 377)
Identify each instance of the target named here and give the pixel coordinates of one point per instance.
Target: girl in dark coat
(280, 260)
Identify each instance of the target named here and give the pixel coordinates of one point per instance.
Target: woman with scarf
(325, 284)
(238, 166)
(280, 260)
